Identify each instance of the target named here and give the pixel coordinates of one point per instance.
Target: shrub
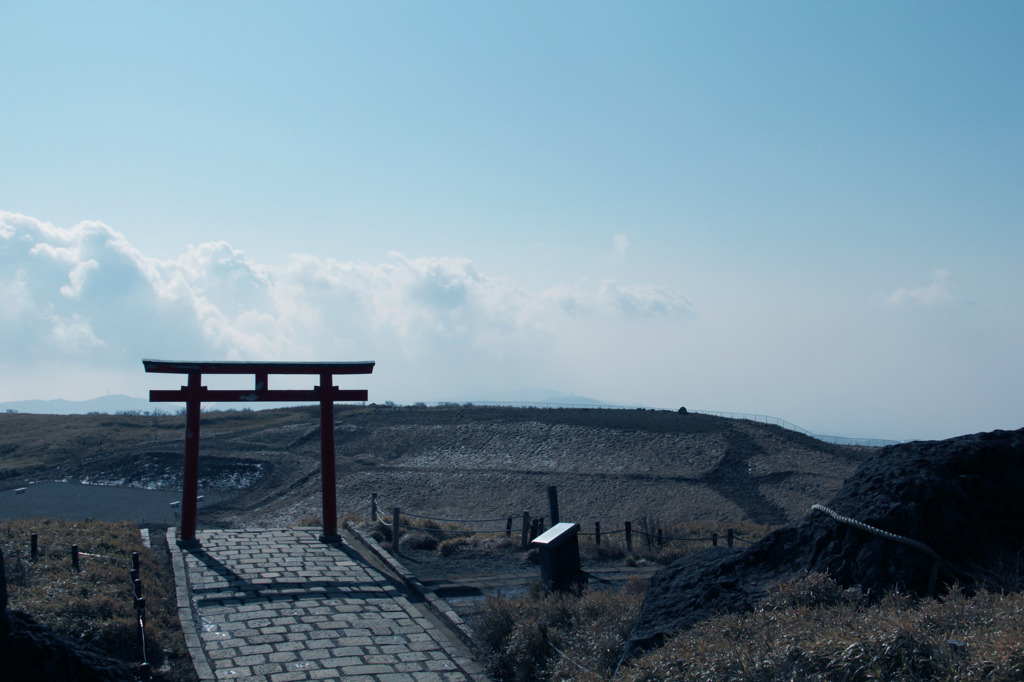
(518, 637)
(452, 545)
(418, 540)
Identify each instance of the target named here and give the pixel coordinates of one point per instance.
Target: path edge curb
(438, 605)
(185, 616)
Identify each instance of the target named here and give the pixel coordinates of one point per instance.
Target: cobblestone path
(279, 605)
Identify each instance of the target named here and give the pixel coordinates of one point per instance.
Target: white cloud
(621, 244)
(931, 295)
(644, 300)
(85, 294)
(76, 278)
(72, 335)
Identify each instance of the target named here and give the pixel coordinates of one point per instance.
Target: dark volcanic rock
(960, 497)
(30, 652)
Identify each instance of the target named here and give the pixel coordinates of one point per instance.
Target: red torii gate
(195, 393)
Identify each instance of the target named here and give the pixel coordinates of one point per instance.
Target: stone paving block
(363, 669)
(289, 676)
(284, 656)
(267, 668)
(409, 667)
(410, 656)
(220, 654)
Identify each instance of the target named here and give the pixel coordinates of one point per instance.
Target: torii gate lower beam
(195, 393)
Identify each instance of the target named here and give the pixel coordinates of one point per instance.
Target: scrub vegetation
(95, 605)
(808, 629)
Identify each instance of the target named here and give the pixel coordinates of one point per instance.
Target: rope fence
(399, 521)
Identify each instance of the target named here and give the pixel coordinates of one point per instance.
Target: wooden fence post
(508, 527)
(553, 503)
(597, 533)
(659, 538)
(729, 537)
(373, 508)
(714, 539)
(629, 537)
(34, 538)
(74, 558)
(394, 530)
(526, 529)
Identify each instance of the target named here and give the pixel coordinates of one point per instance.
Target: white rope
(920, 546)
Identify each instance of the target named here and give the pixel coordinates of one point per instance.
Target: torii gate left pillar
(195, 393)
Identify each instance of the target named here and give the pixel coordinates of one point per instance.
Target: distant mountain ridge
(107, 403)
(112, 404)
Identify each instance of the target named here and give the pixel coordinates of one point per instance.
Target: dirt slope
(461, 462)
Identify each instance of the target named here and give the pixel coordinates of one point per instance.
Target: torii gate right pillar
(328, 478)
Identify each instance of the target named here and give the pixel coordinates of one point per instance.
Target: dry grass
(809, 629)
(812, 630)
(518, 637)
(95, 605)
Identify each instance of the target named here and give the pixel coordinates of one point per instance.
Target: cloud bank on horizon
(85, 297)
(83, 306)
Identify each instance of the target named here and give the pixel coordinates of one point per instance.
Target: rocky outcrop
(960, 497)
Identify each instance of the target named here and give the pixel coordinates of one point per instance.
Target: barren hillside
(462, 462)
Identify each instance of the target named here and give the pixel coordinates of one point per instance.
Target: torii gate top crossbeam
(261, 370)
(174, 367)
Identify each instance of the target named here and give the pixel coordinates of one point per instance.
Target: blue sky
(809, 210)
